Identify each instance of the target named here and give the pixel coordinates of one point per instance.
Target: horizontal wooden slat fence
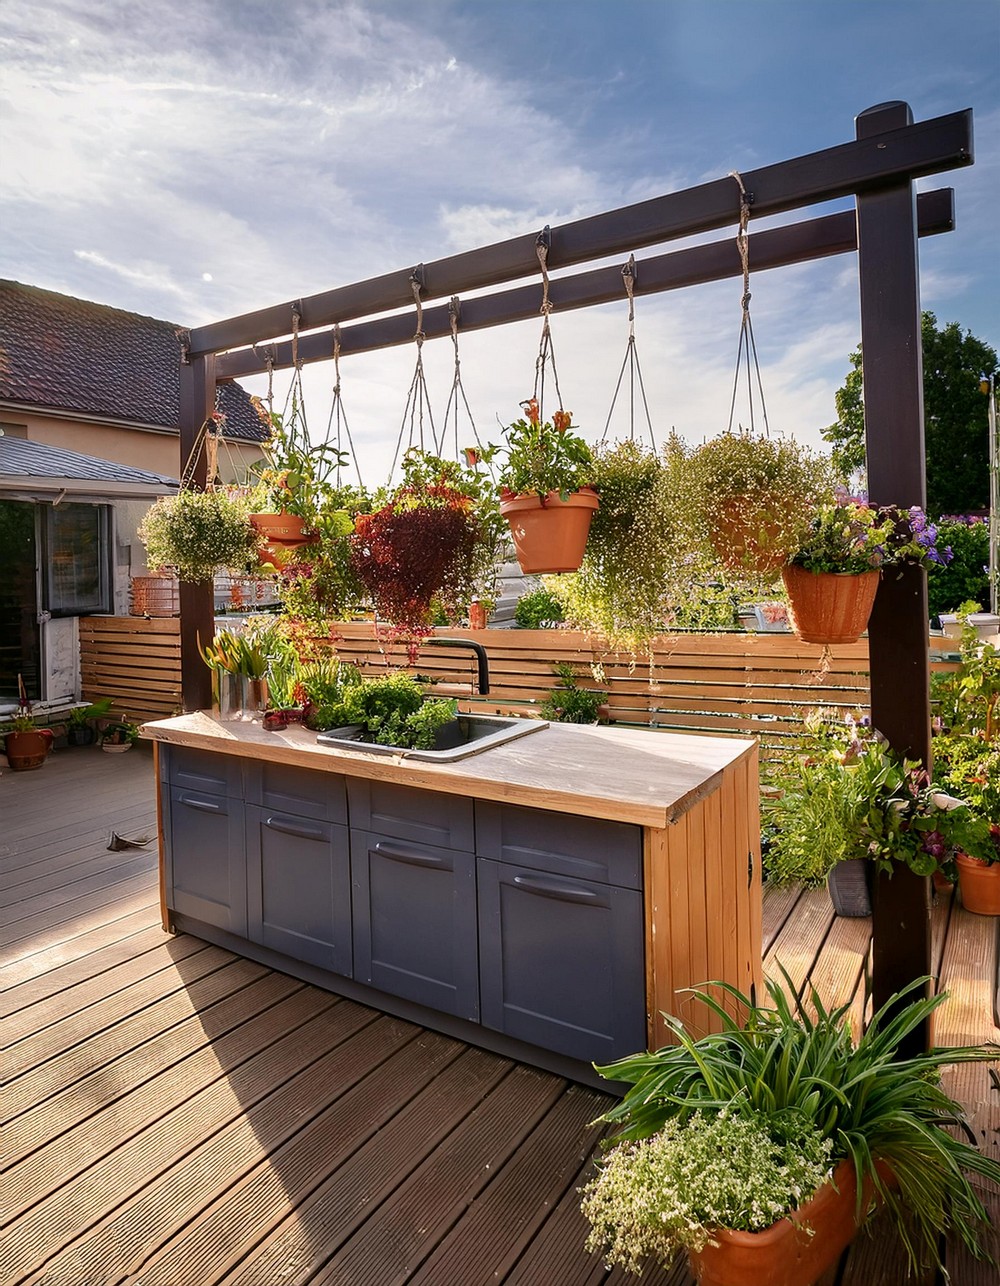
(134, 660)
(741, 684)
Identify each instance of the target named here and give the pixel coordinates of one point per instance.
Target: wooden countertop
(624, 774)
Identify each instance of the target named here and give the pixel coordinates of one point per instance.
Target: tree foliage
(956, 430)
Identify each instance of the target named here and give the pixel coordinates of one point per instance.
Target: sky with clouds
(200, 159)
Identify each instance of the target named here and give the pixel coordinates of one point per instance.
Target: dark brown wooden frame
(878, 169)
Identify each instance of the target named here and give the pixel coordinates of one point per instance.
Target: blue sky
(197, 160)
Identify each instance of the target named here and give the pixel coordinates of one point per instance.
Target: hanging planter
(550, 531)
(829, 607)
(282, 529)
(979, 883)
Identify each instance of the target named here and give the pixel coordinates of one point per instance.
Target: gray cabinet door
(205, 864)
(414, 908)
(299, 887)
(561, 962)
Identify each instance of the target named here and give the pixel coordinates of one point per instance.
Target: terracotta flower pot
(26, 750)
(282, 529)
(550, 534)
(794, 1251)
(979, 883)
(477, 616)
(829, 607)
(745, 539)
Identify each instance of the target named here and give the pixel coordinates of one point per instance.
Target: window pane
(77, 579)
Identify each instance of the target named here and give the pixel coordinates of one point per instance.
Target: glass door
(20, 650)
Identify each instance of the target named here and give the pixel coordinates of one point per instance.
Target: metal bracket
(416, 277)
(544, 238)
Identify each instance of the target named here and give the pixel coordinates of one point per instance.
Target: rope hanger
(631, 360)
(546, 351)
(418, 398)
(457, 388)
(337, 420)
(747, 345)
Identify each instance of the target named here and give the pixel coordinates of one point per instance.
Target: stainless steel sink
(470, 734)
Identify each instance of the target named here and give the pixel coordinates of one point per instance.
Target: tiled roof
(64, 354)
(20, 458)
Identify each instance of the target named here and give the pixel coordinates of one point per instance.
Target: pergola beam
(914, 151)
(810, 239)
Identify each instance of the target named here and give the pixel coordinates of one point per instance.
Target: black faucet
(483, 681)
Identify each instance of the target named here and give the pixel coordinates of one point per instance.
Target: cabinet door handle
(299, 829)
(547, 889)
(410, 857)
(203, 805)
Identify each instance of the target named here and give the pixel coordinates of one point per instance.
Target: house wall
(142, 448)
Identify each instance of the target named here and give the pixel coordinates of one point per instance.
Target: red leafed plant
(423, 546)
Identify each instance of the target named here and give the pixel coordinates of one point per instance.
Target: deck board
(179, 1115)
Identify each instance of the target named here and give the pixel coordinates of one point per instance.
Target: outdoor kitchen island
(546, 898)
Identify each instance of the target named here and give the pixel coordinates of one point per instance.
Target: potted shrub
(120, 736)
(199, 533)
(425, 545)
(25, 745)
(569, 703)
(832, 576)
(754, 495)
(79, 722)
(545, 491)
(760, 1149)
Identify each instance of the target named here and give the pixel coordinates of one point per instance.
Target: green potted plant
(25, 745)
(199, 533)
(238, 662)
(753, 495)
(760, 1149)
(569, 703)
(546, 491)
(391, 711)
(119, 736)
(79, 721)
(832, 575)
(539, 609)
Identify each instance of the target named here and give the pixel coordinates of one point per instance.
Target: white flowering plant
(661, 1195)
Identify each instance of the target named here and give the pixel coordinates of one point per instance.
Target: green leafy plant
(666, 1193)
(236, 654)
(299, 475)
(391, 711)
(793, 1064)
(120, 733)
(80, 716)
(198, 533)
(543, 456)
(538, 610)
(568, 702)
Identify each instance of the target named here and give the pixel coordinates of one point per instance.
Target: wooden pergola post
(897, 633)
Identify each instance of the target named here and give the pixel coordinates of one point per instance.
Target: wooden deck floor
(178, 1115)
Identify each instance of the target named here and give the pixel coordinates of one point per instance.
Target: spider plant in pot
(119, 736)
(832, 574)
(761, 1148)
(422, 545)
(199, 533)
(546, 491)
(754, 495)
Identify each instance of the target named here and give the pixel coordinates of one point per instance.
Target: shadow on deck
(180, 1115)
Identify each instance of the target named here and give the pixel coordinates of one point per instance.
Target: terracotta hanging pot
(282, 529)
(829, 607)
(550, 534)
(745, 539)
(794, 1251)
(979, 883)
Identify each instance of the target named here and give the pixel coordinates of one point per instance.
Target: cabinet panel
(561, 962)
(297, 791)
(414, 911)
(584, 848)
(299, 887)
(206, 865)
(201, 770)
(424, 816)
